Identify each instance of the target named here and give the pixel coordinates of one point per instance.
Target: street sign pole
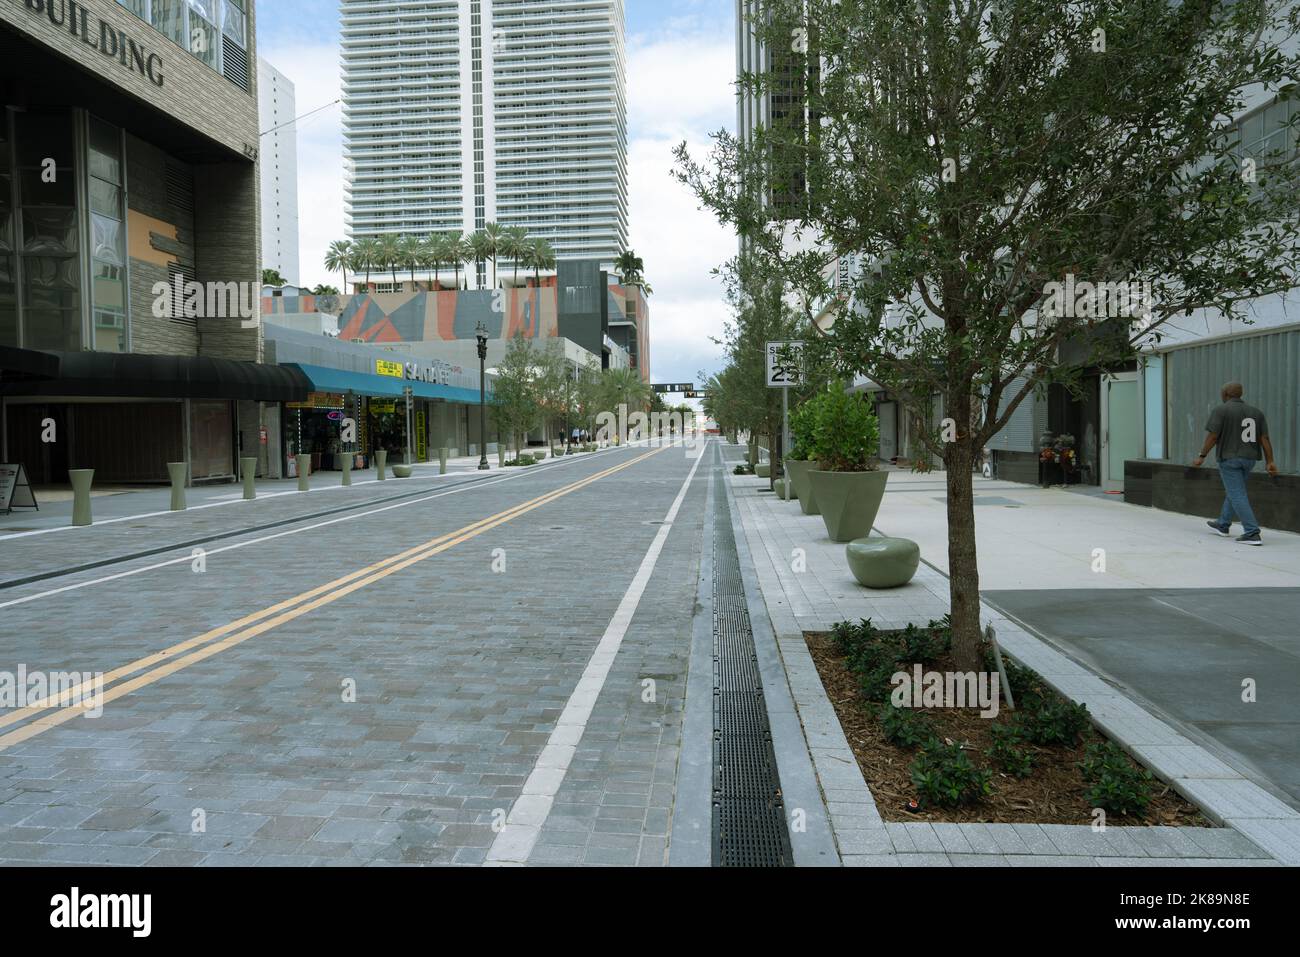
(785, 426)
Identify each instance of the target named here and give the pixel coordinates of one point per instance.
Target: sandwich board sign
(15, 489)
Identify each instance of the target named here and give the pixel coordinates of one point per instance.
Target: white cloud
(679, 88)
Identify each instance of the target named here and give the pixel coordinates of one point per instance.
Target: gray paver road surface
(389, 717)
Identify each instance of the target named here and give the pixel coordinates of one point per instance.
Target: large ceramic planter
(848, 501)
(763, 470)
(798, 470)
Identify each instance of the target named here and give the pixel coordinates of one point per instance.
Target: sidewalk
(1040, 542)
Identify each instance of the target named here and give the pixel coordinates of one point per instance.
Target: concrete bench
(883, 562)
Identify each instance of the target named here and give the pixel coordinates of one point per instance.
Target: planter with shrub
(799, 462)
(843, 436)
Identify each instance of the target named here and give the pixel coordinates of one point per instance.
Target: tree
(553, 383)
(272, 277)
(409, 253)
(495, 234)
(631, 270)
(324, 290)
(482, 247)
(624, 387)
(539, 256)
(433, 252)
(338, 256)
(514, 245)
(365, 256)
(389, 253)
(458, 252)
(515, 403)
(977, 155)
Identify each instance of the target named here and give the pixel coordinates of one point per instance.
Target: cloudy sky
(681, 66)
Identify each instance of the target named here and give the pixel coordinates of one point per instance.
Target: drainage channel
(749, 828)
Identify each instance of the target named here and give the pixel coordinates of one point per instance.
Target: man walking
(1238, 434)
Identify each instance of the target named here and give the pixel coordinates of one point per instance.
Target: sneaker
(1219, 529)
(1251, 539)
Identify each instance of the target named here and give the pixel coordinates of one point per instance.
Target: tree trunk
(963, 569)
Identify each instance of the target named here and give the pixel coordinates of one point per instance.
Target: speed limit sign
(783, 364)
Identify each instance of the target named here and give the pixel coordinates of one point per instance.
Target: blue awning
(324, 379)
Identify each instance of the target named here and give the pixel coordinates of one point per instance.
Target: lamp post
(480, 333)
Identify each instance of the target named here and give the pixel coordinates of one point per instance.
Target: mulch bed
(1052, 794)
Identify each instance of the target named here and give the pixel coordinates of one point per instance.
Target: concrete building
(129, 241)
(277, 108)
(458, 113)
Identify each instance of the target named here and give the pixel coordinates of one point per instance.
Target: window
(108, 237)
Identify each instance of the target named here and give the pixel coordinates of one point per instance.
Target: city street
(374, 688)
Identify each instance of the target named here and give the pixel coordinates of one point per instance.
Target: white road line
(267, 538)
(515, 841)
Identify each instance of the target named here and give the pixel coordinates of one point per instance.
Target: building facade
(129, 240)
(277, 109)
(458, 113)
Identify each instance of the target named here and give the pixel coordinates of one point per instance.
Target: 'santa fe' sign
(99, 35)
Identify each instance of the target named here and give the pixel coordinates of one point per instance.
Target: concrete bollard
(304, 472)
(248, 468)
(178, 471)
(81, 479)
(442, 461)
(347, 469)
(381, 459)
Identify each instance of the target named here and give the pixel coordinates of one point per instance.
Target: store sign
(319, 400)
(99, 35)
(393, 369)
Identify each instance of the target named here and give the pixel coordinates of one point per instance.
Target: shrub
(923, 645)
(843, 433)
(1007, 752)
(905, 727)
(524, 459)
(1024, 682)
(1053, 720)
(848, 636)
(743, 469)
(1116, 784)
(944, 775)
(875, 680)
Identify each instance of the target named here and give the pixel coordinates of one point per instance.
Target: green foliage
(1115, 783)
(744, 468)
(905, 727)
(842, 433)
(521, 460)
(874, 680)
(1008, 752)
(924, 645)
(944, 775)
(1053, 720)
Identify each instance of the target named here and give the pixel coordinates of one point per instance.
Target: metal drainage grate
(749, 827)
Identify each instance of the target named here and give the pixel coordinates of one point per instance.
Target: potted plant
(800, 460)
(846, 484)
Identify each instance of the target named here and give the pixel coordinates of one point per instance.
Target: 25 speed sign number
(783, 364)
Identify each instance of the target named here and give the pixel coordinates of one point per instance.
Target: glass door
(1121, 416)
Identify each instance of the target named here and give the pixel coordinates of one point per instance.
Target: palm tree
(631, 270)
(495, 234)
(431, 254)
(458, 251)
(482, 246)
(365, 252)
(625, 387)
(408, 253)
(338, 256)
(514, 245)
(540, 256)
(390, 253)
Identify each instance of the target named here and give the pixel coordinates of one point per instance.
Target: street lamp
(480, 333)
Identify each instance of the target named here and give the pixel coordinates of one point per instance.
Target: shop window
(108, 240)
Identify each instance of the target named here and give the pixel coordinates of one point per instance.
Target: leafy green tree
(366, 256)
(495, 234)
(516, 404)
(389, 252)
(974, 155)
(539, 256)
(514, 245)
(272, 277)
(482, 247)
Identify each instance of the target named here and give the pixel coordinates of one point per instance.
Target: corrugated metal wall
(1267, 365)
(1021, 432)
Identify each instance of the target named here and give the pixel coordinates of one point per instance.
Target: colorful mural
(424, 316)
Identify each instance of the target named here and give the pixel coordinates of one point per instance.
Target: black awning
(27, 363)
(130, 375)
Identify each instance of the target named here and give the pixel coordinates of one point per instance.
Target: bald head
(1232, 390)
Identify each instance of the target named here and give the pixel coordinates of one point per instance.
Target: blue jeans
(1234, 472)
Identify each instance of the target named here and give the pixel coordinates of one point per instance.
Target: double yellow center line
(204, 646)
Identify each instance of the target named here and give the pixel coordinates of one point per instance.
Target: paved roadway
(465, 620)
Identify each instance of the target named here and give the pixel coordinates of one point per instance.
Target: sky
(681, 74)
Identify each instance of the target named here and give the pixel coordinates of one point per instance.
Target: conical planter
(798, 470)
(848, 501)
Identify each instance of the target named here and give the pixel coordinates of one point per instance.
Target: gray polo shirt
(1228, 421)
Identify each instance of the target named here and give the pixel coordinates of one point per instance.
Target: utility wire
(302, 117)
